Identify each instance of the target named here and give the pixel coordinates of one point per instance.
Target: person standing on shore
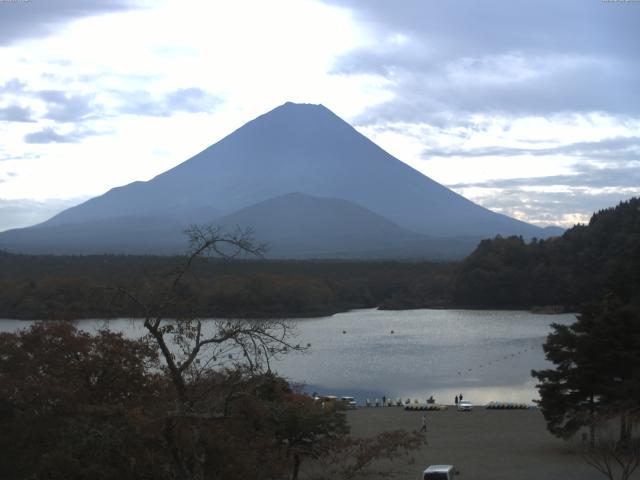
(423, 428)
(460, 397)
(456, 400)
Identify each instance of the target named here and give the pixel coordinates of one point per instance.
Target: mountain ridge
(302, 148)
(313, 227)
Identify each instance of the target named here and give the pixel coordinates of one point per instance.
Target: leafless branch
(615, 459)
(185, 341)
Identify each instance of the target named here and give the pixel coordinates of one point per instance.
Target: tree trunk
(592, 423)
(168, 430)
(625, 431)
(199, 455)
(296, 466)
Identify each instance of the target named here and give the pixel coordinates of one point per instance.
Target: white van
(440, 472)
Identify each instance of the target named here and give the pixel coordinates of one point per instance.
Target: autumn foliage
(75, 405)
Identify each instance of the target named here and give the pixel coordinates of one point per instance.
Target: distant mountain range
(307, 182)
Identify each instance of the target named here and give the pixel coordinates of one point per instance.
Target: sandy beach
(483, 444)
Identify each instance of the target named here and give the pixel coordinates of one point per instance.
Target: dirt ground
(482, 444)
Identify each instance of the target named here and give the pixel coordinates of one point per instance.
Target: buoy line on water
(497, 360)
(491, 405)
(502, 358)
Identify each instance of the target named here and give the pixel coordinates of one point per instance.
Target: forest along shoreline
(556, 275)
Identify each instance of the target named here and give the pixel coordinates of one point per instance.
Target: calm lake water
(486, 355)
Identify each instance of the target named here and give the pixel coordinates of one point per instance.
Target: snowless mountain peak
(295, 147)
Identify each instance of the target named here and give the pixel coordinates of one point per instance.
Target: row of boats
(490, 406)
(350, 402)
(509, 406)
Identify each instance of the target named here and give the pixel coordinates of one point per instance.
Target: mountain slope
(293, 148)
(292, 225)
(308, 149)
(301, 226)
(124, 234)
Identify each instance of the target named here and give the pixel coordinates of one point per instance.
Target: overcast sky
(528, 108)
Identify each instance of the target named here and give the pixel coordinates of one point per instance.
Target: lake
(485, 355)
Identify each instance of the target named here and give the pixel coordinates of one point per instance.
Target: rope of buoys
(505, 357)
(344, 332)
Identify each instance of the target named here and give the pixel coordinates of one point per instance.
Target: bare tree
(615, 456)
(350, 458)
(191, 348)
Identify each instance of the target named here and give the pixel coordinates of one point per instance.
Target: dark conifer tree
(597, 370)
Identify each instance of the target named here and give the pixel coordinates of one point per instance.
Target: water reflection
(486, 355)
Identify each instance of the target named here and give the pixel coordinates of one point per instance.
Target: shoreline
(318, 314)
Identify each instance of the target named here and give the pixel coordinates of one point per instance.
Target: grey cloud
(405, 108)
(471, 28)
(587, 190)
(16, 113)
(514, 57)
(63, 107)
(31, 19)
(585, 176)
(191, 100)
(7, 177)
(50, 135)
(449, 96)
(24, 156)
(66, 107)
(13, 86)
(615, 149)
(551, 208)
(445, 62)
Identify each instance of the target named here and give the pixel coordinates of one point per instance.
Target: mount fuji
(307, 182)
